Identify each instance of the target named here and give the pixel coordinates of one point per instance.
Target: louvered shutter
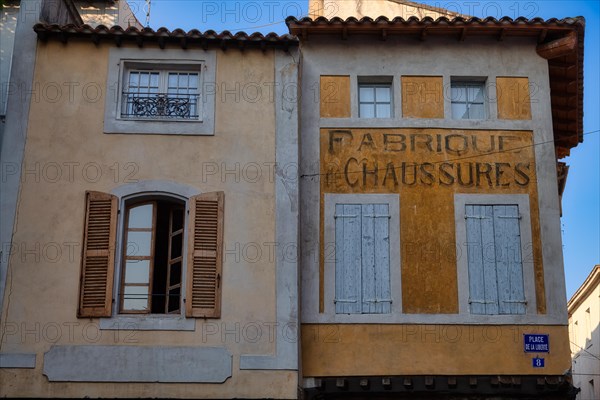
(205, 255)
(494, 258)
(348, 259)
(98, 256)
(376, 293)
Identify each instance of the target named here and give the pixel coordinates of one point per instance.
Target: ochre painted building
(144, 260)
(430, 210)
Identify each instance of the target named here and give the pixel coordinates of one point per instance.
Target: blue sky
(581, 201)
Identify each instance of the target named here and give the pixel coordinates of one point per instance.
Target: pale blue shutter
(482, 259)
(362, 270)
(375, 259)
(348, 259)
(509, 267)
(494, 259)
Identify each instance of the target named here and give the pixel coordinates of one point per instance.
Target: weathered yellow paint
(335, 96)
(348, 350)
(423, 166)
(422, 97)
(67, 153)
(514, 100)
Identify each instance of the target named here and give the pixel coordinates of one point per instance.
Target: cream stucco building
(584, 333)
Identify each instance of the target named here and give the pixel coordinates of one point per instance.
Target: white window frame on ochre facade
(160, 98)
(462, 203)
(172, 119)
(375, 314)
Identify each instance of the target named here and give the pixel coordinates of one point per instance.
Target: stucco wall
(67, 153)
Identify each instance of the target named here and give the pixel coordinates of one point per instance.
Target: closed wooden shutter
(362, 270)
(205, 255)
(494, 259)
(348, 259)
(376, 259)
(98, 257)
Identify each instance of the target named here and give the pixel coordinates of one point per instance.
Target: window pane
(141, 216)
(176, 246)
(366, 94)
(172, 80)
(154, 80)
(459, 111)
(134, 80)
(138, 244)
(383, 94)
(174, 301)
(177, 219)
(176, 273)
(135, 298)
(137, 271)
(459, 93)
(476, 94)
(144, 79)
(383, 111)
(193, 85)
(367, 111)
(476, 111)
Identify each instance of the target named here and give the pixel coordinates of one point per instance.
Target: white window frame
(466, 82)
(163, 70)
(522, 201)
(376, 82)
(329, 256)
(122, 60)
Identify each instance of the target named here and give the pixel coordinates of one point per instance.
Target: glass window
(161, 95)
(152, 263)
(468, 100)
(375, 100)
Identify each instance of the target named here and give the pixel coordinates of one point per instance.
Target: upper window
(375, 98)
(161, 94)
(495, 260)
(468, 100)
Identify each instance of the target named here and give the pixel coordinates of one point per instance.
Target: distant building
(584, 331)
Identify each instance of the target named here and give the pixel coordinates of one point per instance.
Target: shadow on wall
(586, 367)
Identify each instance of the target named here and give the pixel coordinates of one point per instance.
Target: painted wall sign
(380, 158)
(537, 343)
(427, 167)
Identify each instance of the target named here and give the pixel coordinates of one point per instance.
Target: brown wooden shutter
(98, 258)
(205, 255)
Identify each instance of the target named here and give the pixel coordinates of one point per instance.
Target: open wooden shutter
(205, 255)
(98, 257)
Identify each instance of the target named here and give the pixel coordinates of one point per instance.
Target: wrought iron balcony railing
(159, 105)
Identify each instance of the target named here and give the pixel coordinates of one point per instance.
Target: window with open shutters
(153, 261)
(494, 259)
(362, 262)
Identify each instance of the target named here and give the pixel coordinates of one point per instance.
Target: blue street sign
(538, 362)
(538, 343)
